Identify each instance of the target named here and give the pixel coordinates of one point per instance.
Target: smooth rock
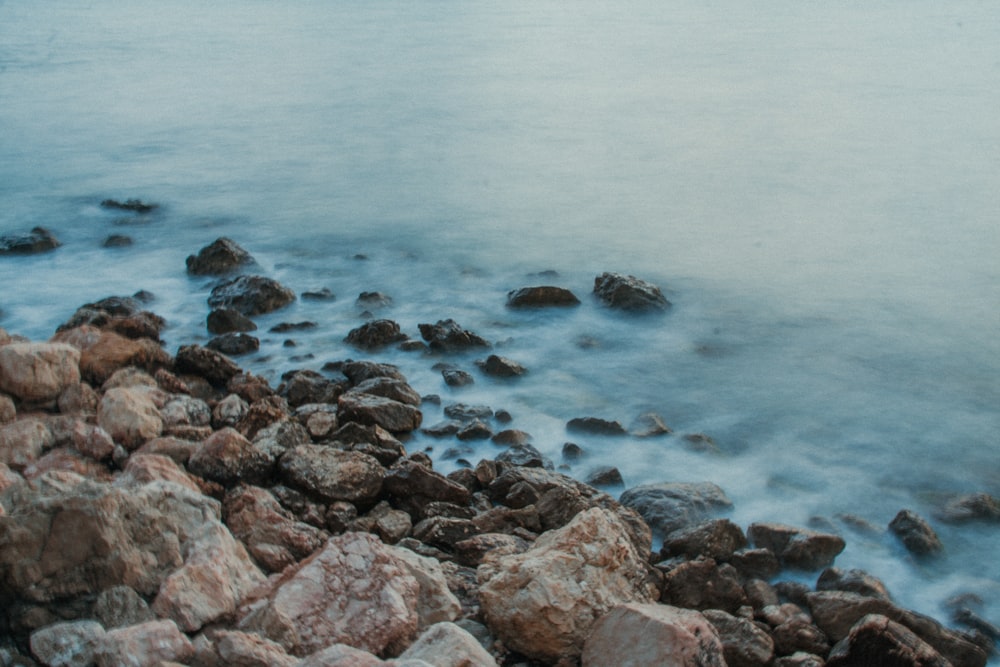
(642, 635)
(234, 344)
(797, 547)
(386, 387)
(37, 372)
(541, 297)
(970, 507)
(104, 352)
(130, 416)
(595, 426)
(855, 581)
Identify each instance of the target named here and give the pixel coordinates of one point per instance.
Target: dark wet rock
(271, 534)
(670, 506)
(369, 439)
(117, 241)
(503, 367)
(373, 300)
(249, 387)
(970, 507)
(699, 442)
(414, 486)
(448, 336)
(454, 377)
(703, 584)
(227, 320)
(285, 327)
(511, 436)
(322, 294)
(525, 455)
(744, 644)
(464, 412)
(443, 532)
(718, 539)
(797, 635)
(797, 547)
(132, 205)
(540, 297)
(800, 659)
(629, 293)
(475, 430)
(375, 334)
(332, 474)
(234, 344)
(122, 314)
(605, 476)
(572, 451)
(648, 425)
(391, 415)
(251, 295)
(221, 257)
(595, 426)
(877, 640)
(305, 386)
(121, 606)
(855, 581)
(214, 366)
(443, 429)
(359, 371)
(229, 458)
(473, 550)
(38, 240)
(915, 533)
(977, 623)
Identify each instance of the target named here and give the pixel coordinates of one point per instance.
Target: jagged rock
(185, 411)
(38, 371)
(229, 458)
(448, 336)
(541, 297)
(359, 371)
(121, 606)
(92, 440)
(301, 387)
(466, 413)
(229, 411)
(525, 455)
(970, 507)
(915, 533)
(503, 367)
(474, 430)
(704, 584)
(391, 415)
(375, 334)
(341, 655)
(798, 635)
(855, 581)
(640, 635)
(755, 563)
(23, 442)
(214, 366)
(447, 645)
(227, 320)
(543, 602)
(178, 449)
(332, 474)
(271, 534)
(454, 377)
(8, 411)
(38, 240)
(144, 645)
(234, 344)
(511, 436)
(142, 468)
(130, 416)
(369, 439)
(246, 649)
(69, 644)
(878, 640)
(744, 644)
(132, 205)
(595, 426)
(220, 257)
(800, 659)
(629, 293)
(648, 425)
(718, 539)
(605, 476)
(670, 506)
(251, 295)
(414, 485)
(386, 387)
(473, 550)
(104, 352)
(797, 547)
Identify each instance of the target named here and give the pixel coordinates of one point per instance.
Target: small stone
(503, 367)
(605, 476)
(454, 377)
(629, 293)
(541, 297)
(915, 533)
(595, 426)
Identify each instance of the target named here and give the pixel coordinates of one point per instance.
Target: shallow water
(815, 187)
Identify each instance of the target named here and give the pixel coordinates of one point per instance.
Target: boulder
(475, 430)
(271, 534)
(341, 655)
(92, 440)
(797, 547)
(333, 474)
(145, 645)
(744, 643)
(375, 334)
(121, 606)
(875, 639)
(143, 468)
(251, 295)
(386, 387)
(855, 581)
(69, 644)
(595, 426)
(8, 411)
(605, 476)
(391, 415)
(302, 387)
(718, 539)
(970, 507)
(454, 377)
(704, 584)
(629, 293)
(36, 372)
(220, 257)
(358, 371)
(414, 485)
(246, 649)
(23, 442)
(448, 336)
(38, 240)
(541, 297)
(670, 506)
(229, 458)
(130, 416)
(525, 455)
(640, 635)
(501, 367)
(447, 645)
(915, 533)
(234, 344)
(104, 352)
(544, 602)
(205, 363)
(228, 320)
(798, 635)
(648, 425)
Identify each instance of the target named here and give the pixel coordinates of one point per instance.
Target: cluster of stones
(175, 509)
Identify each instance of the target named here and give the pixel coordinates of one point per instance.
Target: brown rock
(130, 416)
(271, 534)
(671, 506)
(244, 649)
(797, 547)
(798, 635)
(629, 293)
(79, 398)
(144, 645)
(8, 411)
(915, 533)
(447, 645)
(67, 644)
(251, 295)
(213, 366)
(502, 367)
(36, 372)
(220, 257)
(877, 640)
(375, 334)
(703, 584)
(92, 440)
(744, 644)
(541, 297)
(228, 458)
(414, 485)
(341, 655)
(855, 581)
(104, 352)
(391, 415)
(333, 474)
(717, 539)
(641, 635)
(121, 606)
(22, 442)
(448, 336)
(386, 387)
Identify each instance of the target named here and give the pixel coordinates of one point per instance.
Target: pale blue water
(816, 185)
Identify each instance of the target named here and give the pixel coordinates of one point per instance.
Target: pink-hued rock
(333, 474)
(68, 460)
(23, 442)
(243, 649)
(79, 398)
(68, 644)
(145, 468)
(38, 371)
(639, 635)
(104, 352)
(92, 440)
(447, 645)
(354, 591)
(341, 655)
(543, 602)
(143, 645)
(8, 478)
(227, 457)
(435, 602)
(130, 416)
(8, 411)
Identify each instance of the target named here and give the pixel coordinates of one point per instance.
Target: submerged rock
(36, 241)
(133, 205)
(629, 293)
(541, 297)
(448, 336)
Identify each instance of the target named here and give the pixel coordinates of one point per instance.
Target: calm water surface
(815, 185)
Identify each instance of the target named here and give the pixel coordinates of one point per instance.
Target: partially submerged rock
(251, 295)
(629, 293)
(541, 297)
(448, 336)
(38, 240)
(219, 258)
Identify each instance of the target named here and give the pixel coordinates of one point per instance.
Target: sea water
(815, 186)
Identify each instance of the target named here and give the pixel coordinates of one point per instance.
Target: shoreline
(102, 414)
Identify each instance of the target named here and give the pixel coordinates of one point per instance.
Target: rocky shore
(175, 509)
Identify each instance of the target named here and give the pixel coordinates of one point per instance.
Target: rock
(38, 240)
(397, 390)
(22, 442)
(321, 294)
(797, 547)
(63, 459)
(214, 366)
(435, 601)
(123, 315)
(375, 334)
(511, 436)
(104, 352)
(229, 458)
(391, 415)
(473, 550)
(414, 485)
(447, 645)
(92, 440)
(372, 440)
(915, 533)
(341, 655)
(648, 425)
(304, 386)
(219, 258)
(234, 344)
(466, 413)
(525, 456)
(605, 476)
(359, 371)
(36, 372)
(855, 581)
(877, 640)
(448, 336)
(629, 293)
(251, 295)
(970, 507)
(116, 241)
(144, 645)
(355, 591)
(502, 367)
(271, 534)
(800, 659)
(718, 539)
(595, 426)
(670, 506)
(744, 644)
(474, 430)
(121, 606)
(543, 602)
(285, 327)
(229, 411)
(69, 644)
(454, 377)
(797, 635)
(185, 411)
(145, 468)
(333, 474)
(755, 563)
(640, 635)
(541, 297)
(244, 649)
(228, 320)
(129, 416)
(8, 411)
(132, 205)
(703, 584)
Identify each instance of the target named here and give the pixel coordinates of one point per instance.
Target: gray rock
(670, 506)
(595, 426)
(448, 336)
(251, 295)
(915, 533)
(36, 241)
(219, 258)
(629, 293)
(797, 547)
(228, 320)
(234, 344)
